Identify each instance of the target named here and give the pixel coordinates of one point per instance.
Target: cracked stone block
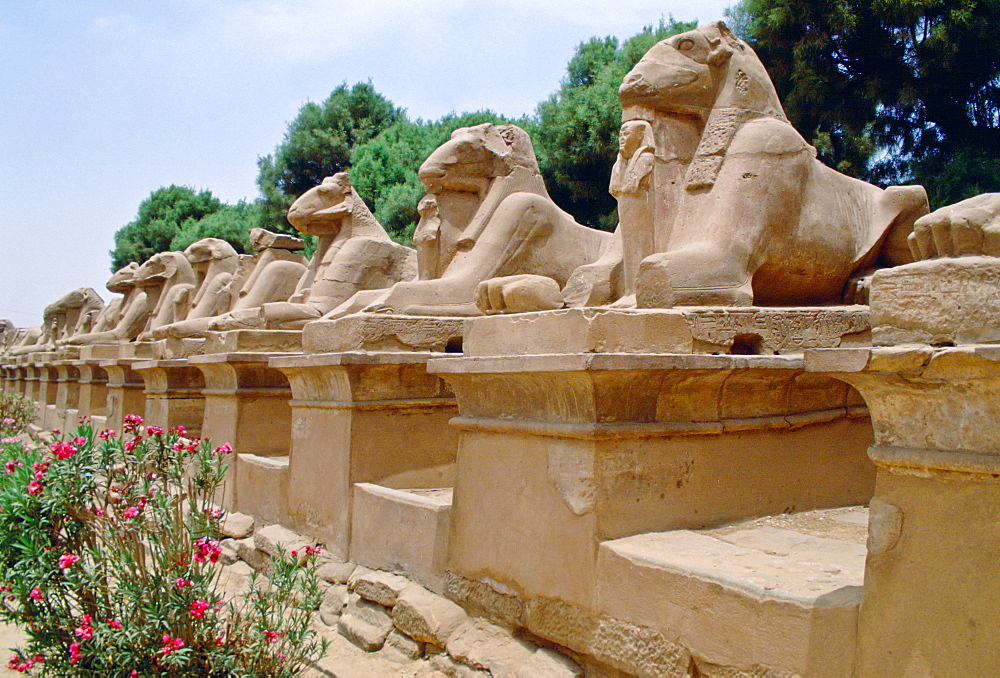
(380, 587)
(425, 616)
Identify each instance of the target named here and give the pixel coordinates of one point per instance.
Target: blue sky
(102, 102)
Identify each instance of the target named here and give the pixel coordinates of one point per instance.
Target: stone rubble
(401, 628)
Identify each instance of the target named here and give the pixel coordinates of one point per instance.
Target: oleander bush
(16, 412)
(109, 560)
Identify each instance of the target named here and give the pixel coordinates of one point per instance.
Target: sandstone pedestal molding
(931, 592)
(362, 417)
(173, 391)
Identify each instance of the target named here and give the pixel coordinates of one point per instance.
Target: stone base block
(262, 487)
(750, 330)
(771, 597)
(938, 301)
(68, 353)
(99, 352)
(70, 419)
(171, 348)
(234, 341)
(140, 350)
(403, 531)
(51, 418)
(378, 332)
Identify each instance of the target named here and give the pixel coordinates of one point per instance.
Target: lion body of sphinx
(741, 212)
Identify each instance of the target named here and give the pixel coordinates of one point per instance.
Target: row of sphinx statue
(721, 202)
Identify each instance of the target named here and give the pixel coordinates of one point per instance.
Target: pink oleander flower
(85, 631)
(68, 559)
(41, 468)
(213, 514)
(74, 652)
(34, 487)
(132, 420)
(183, 583)
(56, 431)
(79, 441)
(36, 594)
(63, 450)
(115, 624)
(99, 512)
(272, 636)
(154, 431)
(7, 421)
(131, 512)
(199, 608)
(207, 549)
(132, 444)
(179, 430)
(16, 664)
(170, 644)
(224, 448)
(7, 441)
(106, 434)
(12, 464)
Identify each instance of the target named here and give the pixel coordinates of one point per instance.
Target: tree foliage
(165, 213)
(577, 135)
(231, 223)
(318, 143)
(889, 90)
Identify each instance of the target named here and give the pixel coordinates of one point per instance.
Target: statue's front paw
(967, 228)
(518, 294)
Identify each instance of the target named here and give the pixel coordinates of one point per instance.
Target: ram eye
(685, 43)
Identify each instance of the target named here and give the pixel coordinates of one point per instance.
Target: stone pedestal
(561, 452)
(931, 591)
(246, 405)
(67, 395)
(246, 402)
(173, 390)
(362, 417)
(93, 396)
(48, 383)
(125, 391)
(30, 373)
(14, 379)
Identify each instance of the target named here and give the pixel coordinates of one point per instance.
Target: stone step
(778, 594)
(417, 544)
(262, 487)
